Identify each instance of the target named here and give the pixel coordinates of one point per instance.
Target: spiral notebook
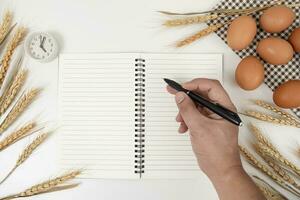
(117, 119)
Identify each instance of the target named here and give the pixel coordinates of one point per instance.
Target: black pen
(214, 107)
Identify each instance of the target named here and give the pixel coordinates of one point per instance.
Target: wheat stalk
(261, 138)
(263, 168)
(14, 43)
(276, 168)
(269, 192)
(279, 158)
(47, 186)
(20, 106)
(5, 26)
(271, 119)
(17, 135)
(276, 110)
(26, 153)
(30, 148)
(190, 20)
(11, 93)
(252, 160)
(199, 35)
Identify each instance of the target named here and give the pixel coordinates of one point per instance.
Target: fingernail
(180, 97)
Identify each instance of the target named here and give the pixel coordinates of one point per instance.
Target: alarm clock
(41, 46)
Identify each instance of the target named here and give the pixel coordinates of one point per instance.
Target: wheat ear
(5, 26)
(199, 35)
(281, 159)
(14, 43)
(13, 90)
(190, 20)
(47, 186)
(17, 135)
(271, 119)
(269, 191)
(270, 194)
(261, 138)
(276, 168)
(20, 106)
(30, 148)
(253, 161)
(26, 153)
(263, 168)
(276, 110)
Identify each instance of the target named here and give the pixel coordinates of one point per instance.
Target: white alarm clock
(41, 46)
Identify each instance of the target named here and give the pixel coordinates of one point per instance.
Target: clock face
(42, 46)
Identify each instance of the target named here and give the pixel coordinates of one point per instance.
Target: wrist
(228, 176)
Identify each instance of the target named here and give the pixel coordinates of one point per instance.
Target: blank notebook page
(167, 153)
(97, 114)
(98, 107)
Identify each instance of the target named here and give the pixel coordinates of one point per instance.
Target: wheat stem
(8, 175)
(20, 106)
(199, 35)
(14, 43)
(270, 119)
(190, 20)
(17, 135)
(12, 91)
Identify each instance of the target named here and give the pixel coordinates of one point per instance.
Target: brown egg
(295, 39)
(241, 32)
(287, 95)
(277, 19)
(250, 73)
(275, 51)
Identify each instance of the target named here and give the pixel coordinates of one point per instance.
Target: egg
(294, 39)
(241, 32)
(277, 19)
(250, 73)
(287, 95)
(275, 51)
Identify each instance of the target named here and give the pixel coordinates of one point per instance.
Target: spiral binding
(139, 116)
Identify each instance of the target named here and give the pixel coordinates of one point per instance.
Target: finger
(182, 128)
(188, 111)
(212, 89)
(179, 118)
(171, 90)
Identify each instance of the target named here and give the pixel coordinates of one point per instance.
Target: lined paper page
(97, 114)
(167, 153)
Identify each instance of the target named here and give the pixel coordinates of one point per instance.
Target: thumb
(188, 110)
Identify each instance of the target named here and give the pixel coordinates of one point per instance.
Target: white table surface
(117, 26)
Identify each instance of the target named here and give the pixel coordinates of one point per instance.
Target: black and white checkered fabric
(274, 75)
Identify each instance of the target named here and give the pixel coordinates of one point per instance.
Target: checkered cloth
(274, 75)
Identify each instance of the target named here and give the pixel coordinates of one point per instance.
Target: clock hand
(41, 38)
(42, 44)
(43, 48)
(42, 41)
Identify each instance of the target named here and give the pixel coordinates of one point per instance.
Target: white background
(116, 26)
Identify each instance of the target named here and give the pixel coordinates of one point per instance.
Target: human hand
(214, 140)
